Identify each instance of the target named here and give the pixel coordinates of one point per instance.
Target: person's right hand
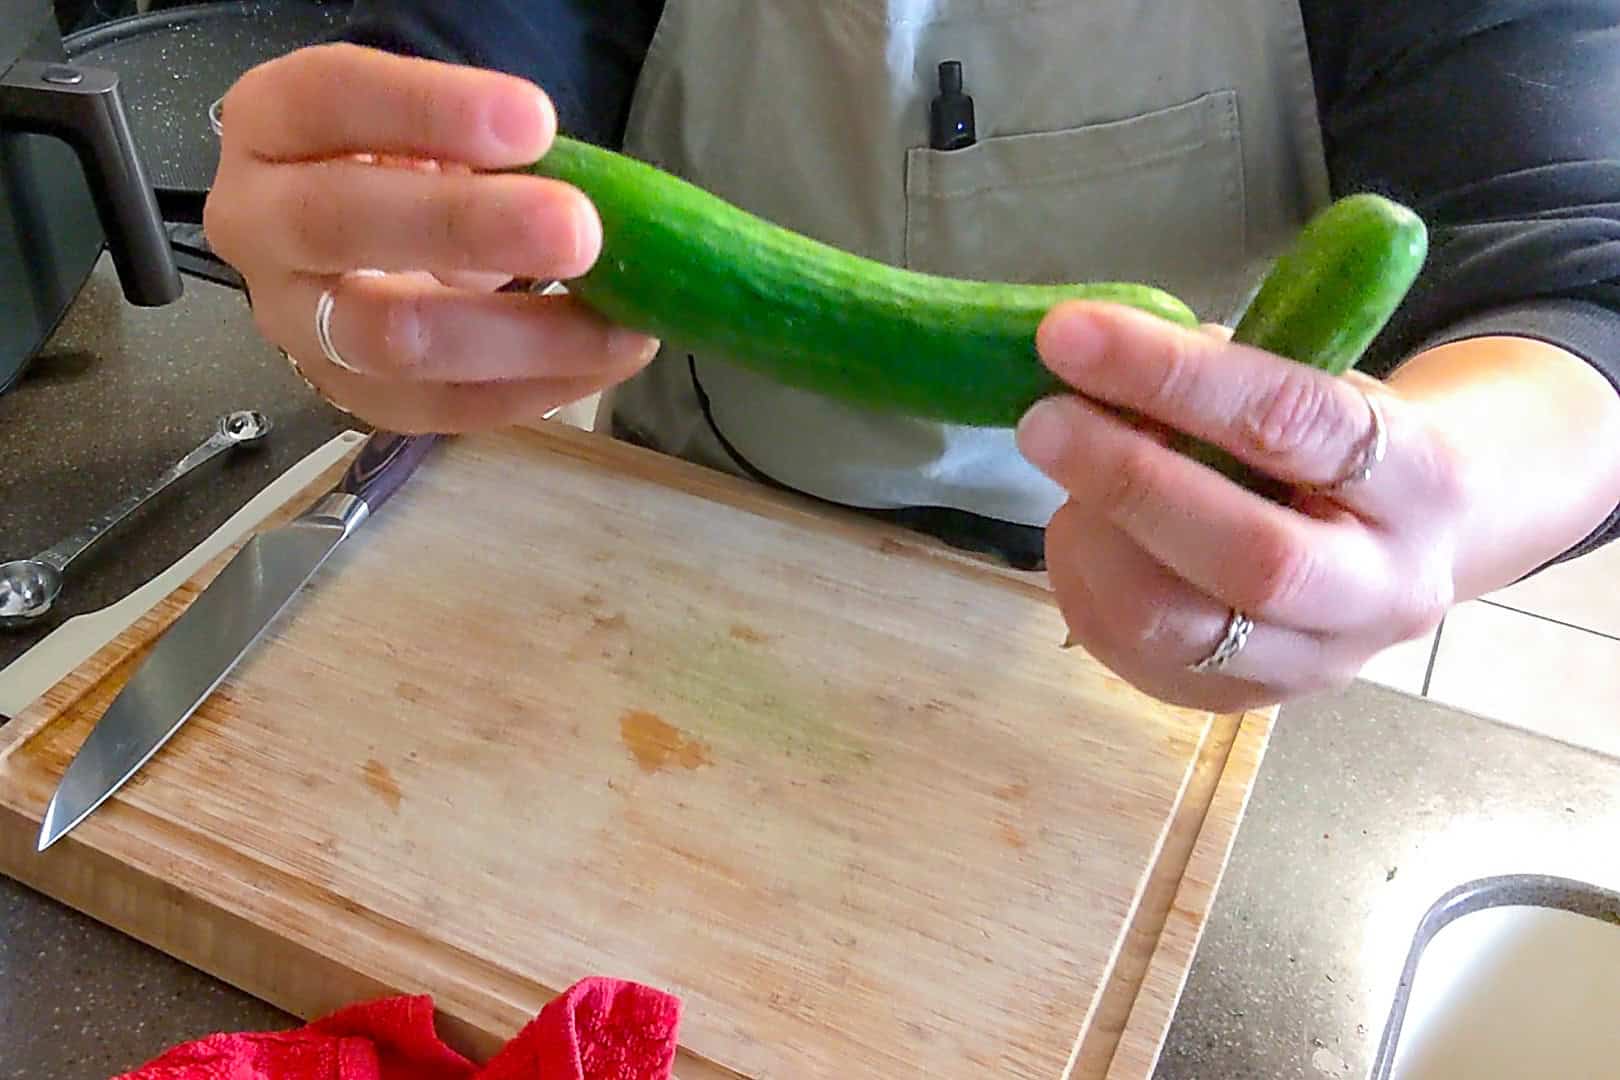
(336, 159)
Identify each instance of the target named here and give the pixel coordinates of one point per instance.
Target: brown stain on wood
(610, 622)
(656, 744)
(744, 632)
(1016, 791)
(411, 692)
(381, 781)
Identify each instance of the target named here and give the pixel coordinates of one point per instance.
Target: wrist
(1534, 432)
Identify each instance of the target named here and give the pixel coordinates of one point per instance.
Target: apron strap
(1021, 547)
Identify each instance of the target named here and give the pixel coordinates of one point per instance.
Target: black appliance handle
(83, 107)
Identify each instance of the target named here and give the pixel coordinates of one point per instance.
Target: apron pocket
(1156, 198)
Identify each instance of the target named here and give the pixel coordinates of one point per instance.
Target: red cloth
(601, 1029)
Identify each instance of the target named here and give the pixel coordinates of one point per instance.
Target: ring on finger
(1371, 451)
(1238, 628)
(323, 324)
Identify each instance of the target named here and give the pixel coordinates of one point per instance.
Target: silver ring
(1238, 628)
(1373, 447)
(323, 330)
(323, 323)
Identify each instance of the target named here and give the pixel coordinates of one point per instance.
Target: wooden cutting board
(567, 708)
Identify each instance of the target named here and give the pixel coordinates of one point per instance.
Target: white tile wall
(1583, 592)
(1557, 680)
(1543, 655)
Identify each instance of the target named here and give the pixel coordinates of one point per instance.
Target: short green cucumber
(686, 266)
(1328, 296)
(1337, 286)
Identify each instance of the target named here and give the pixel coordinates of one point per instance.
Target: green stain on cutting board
(738, 688)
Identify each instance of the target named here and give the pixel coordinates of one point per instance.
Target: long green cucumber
(684, 265)
(1327, 297)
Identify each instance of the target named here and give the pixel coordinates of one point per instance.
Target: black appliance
(72, 184)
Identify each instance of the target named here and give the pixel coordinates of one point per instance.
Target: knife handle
(383, 464)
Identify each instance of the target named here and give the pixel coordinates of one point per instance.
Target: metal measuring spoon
(28, 587)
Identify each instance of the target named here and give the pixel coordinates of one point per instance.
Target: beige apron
(1170, 143)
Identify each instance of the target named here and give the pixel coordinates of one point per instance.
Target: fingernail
(1069, 337)
(1043, 433)
(520, 122)
(631, 345)
(584, 240)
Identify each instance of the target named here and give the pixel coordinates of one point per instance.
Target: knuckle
(448, 114)
(260, 92)
(1141, 629)
(1173, 375)
(1420, 609)
(220, 219)
(1135, 477)
(259, 80)
(1144, 625)
(423, 111)
(237, 102)
(1302, 412)
(1284, 570)
(1156, 623)
(316, 239)
(226, 219)
(315, 66)
(457, 220)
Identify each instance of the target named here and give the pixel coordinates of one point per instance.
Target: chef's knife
(193, 657)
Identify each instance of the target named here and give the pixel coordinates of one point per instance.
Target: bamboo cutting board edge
(160, 887)
(1181, 918)
(1099, 1039)
(91, 853)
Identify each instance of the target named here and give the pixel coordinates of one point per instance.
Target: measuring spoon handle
(76, 544)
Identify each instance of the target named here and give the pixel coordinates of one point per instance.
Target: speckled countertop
(118, 395)
(1370, 804)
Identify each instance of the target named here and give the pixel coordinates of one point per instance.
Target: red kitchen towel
(601, 1029)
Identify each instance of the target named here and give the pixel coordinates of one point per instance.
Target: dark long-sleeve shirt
(1496, 120)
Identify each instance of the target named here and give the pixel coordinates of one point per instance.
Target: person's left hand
(1153, 551)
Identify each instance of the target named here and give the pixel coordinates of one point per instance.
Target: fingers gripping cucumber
(685, 266)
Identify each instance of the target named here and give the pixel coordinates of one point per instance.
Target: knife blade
(221, 625)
